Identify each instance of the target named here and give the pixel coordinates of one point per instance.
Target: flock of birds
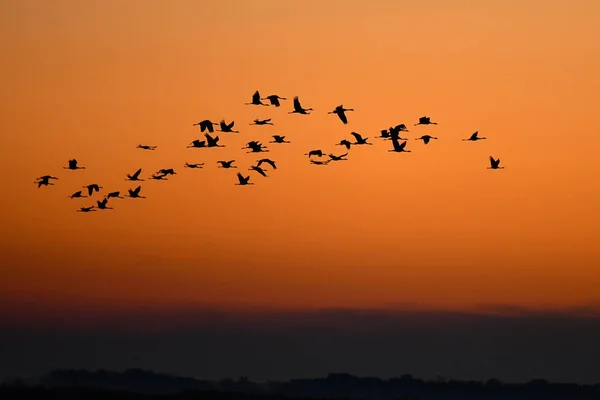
(207, 127)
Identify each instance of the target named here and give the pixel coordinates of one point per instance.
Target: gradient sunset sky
(429, 229)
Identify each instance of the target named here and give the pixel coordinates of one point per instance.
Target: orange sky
(91, 80)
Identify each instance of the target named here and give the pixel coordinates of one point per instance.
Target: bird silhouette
(494, 164)
(197, 144)
(116, 195)
(73, 165)
(359, 139)
(227, 128)
(474, 137)
(278, 139)
(135, 176)
(384, 134)
(135, 193)
(258, 169)
(255, 147)
(102, 204)
(345, 143)
(274, 99)
(262, 122)
(44, 180)
(266, 161)
(77, 194)
(324, 162)
(92, 188)
(146, 147)
(399, 147)
(157, 177)
(318, 153)
(206, 125)
(256, 100)
(341, 112)
(298, 108)
(333, 157)
(425, 121)
(86, 209)
(226, 164)
(169, 171)
(243, 180)
(212, 142)
(395, 133)
(401, 128)
(426, 138)
(188, 165)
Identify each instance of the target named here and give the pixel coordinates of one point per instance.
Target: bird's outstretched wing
(357, 136)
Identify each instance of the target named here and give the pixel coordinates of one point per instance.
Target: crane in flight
(274, 99)
(73, 165)
(44, 180)
(341, 157)
(399, 147)
(206, 125)
(188, 165)
(426, 138)
(78, 194)
(359, 139)
(425, 121)
(135, 176)
(135, 193)
(227, 128)
(256, 100)
(298, 109)
(243, 180)
(494, 164)
(262, 122)
(341, 112)
(266, 161)
(146, 147)
(86, 209)
(258, 169)
(318, 153)
(279, 139)
(474, 137)
(226, 164)
(92, 188)
(212, 141)
(102, 204)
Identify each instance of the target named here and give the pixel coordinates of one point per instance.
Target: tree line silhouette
(137, 383)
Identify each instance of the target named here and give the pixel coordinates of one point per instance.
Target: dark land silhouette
(137, 383)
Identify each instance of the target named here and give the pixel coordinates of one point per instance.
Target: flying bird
(116, 195)
(44, 180)
(206, 125)
(325, 162)
(359, 139)
(333, 157)
(256, 100)
(279, 139)
(86, 209)
(92, 188)
(212, 142)
(399, 147)
(267, 161)
(262, 122)
(73, 165)
(226, 164)
(341, 112)
(474, 137)
(255, 147)
(146, 147)
(102, 204)
(243, 180)
(197, 143)
(317, 153)
(135, 176)
(274, 99)
(227, 128)
(159, 177)
(298, 108)
(494, 164)
(426, 138)
(135, 193)
(395, 133)
(345, 143)
(77, 194)
(401, 128)
(258, 169)
(425, 121)
(384, 134)
(188, 165)
(169, 171)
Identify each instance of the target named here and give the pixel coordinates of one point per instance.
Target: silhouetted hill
(67, 384)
